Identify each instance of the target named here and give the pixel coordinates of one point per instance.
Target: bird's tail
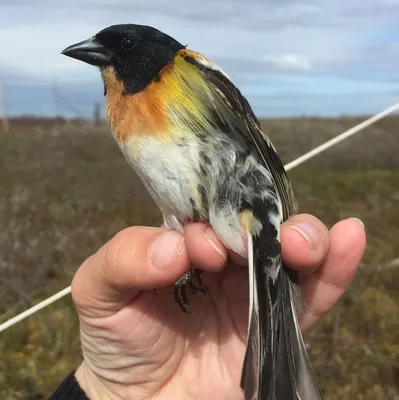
(276, 364)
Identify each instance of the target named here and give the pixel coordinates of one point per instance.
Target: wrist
(92, 385)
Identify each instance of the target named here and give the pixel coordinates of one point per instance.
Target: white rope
(289, 166)
(35, 309)
(341, 137)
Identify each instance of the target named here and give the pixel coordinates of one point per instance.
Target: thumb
(137, 258)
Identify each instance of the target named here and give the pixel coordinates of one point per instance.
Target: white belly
(166, 171)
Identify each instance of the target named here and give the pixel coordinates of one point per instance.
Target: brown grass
(66, 189)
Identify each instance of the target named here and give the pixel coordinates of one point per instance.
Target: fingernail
(165, 249)
(359, 221)
(210, 237)
(308, 232)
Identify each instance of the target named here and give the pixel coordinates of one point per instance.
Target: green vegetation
(66, 189)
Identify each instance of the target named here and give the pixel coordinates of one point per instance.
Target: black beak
(90, 51)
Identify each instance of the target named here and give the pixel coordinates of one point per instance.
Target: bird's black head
(136, 52)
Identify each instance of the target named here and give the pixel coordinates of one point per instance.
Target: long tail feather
(276, 364)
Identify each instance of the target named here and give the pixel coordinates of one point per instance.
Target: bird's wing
(235, 111)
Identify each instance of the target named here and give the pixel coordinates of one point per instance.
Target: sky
(288, 57)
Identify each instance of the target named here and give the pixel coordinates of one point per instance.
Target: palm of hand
(156, 349)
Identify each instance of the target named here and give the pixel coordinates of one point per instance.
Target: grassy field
(66, 189)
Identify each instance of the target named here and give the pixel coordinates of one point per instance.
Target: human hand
(138, 344)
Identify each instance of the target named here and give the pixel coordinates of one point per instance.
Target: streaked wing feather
(235, 110)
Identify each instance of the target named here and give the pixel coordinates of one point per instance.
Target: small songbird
(194, 141)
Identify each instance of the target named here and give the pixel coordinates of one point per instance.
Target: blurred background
(310, 69)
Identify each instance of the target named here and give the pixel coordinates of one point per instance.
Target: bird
(194, 141)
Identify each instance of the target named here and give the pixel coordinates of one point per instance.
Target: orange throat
(142, 113)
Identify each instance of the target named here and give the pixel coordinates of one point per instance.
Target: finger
(323, 288)
(305, 242)
(238, 259)
(136, 258)
(204, 248)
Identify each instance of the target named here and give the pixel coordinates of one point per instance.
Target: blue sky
(303, 57)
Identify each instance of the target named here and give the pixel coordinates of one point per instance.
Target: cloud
(263, 45)
(289, 61)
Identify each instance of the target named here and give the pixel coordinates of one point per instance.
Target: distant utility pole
(54, 92)
(3, 107)
(97, 114)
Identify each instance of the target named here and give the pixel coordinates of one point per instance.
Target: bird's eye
(128, 44)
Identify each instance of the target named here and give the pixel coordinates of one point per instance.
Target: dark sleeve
(69, 390)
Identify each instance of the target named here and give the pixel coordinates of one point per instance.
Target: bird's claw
(190, 280)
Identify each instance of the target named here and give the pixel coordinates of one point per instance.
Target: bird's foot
(190, 280)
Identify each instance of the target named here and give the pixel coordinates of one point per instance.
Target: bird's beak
(90, 51)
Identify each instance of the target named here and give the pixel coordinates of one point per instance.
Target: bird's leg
(189, 280)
